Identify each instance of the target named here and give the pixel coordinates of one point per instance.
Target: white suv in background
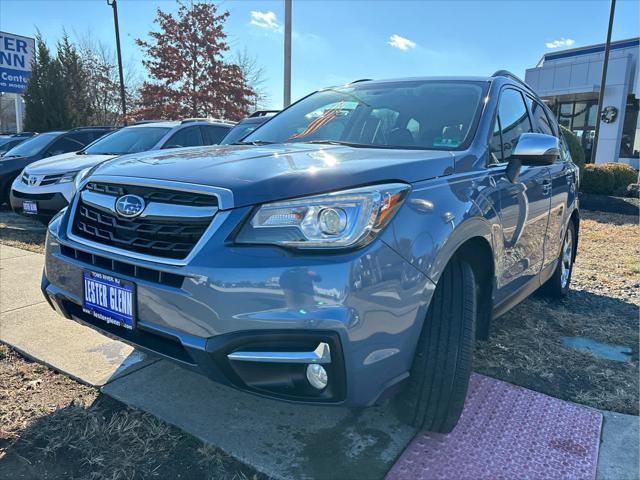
(46, 186)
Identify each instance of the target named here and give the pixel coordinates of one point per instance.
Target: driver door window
(63, 145)
(514, 120)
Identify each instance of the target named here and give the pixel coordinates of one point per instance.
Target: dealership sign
(16, 54)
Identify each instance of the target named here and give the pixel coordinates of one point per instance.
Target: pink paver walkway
(507, 432)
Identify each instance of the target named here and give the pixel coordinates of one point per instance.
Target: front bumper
(367, 305)
(50, 199)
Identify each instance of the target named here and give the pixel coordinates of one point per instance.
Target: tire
(439, 378)
(558, 285)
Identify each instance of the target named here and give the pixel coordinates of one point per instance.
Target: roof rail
(512, 76)
(263, 113)
(142, 122)
(361, 80)
(91, 127)
(207, 119)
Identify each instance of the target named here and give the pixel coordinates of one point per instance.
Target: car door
(186, 137)
(524, 203)
(562, 176)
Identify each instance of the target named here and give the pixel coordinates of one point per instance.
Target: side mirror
(537, 149)
(532, 149)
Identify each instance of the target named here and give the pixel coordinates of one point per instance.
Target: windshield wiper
(254, 142)
(345, 144)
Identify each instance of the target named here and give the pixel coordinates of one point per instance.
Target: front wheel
(439, 379)
(558, 285)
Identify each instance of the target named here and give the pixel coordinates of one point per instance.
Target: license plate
(109, 299)
(30, 207)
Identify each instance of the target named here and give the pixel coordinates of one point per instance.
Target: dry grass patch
(525, 345)
(21, 232)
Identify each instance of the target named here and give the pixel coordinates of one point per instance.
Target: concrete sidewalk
(29, 325)
(279, 439)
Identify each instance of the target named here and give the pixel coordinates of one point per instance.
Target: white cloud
(560, 42)
(402, 43)
(264, 20)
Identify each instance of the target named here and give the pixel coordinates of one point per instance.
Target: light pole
(114, 5)
(603, 82)
(287, 53)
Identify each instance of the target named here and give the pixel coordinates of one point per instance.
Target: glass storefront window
(564, 117)
(579, 114)
(629, 144)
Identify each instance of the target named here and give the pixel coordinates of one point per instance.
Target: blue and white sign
(16, 54)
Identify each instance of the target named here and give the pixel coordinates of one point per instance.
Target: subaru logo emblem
(130, 206)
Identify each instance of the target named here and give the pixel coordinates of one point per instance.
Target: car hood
(67, 162)
(258, 174)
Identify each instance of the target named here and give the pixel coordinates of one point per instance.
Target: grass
(525, 345)
(21, 232)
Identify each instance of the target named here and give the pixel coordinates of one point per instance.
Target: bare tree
(100, 61)
(255, 76)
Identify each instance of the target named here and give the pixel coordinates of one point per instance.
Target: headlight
(81, 175)
(68, 177)
(336, 220)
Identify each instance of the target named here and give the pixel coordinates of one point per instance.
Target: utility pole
(287, 53)
(603, 82)
(114, 5)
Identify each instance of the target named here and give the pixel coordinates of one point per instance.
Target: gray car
(353, 247)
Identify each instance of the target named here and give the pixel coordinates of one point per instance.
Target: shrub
(596, 179)
(623, 174)
(575, 147)
(608, 178)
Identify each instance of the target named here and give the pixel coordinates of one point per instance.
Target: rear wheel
(437, 388)
(558, 285)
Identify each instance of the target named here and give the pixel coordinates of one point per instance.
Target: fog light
(317, 376)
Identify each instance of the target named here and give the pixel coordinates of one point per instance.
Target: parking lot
(533, 346)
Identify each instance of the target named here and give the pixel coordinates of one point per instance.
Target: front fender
(439, 216)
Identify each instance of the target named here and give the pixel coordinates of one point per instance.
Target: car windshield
(421, 114)
(127, 140)
(32, 146)
(5, 140)
(238, 132)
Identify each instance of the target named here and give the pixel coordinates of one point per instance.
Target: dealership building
(569, 82)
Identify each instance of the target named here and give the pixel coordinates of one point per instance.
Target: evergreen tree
(76, 83)
(44, 98)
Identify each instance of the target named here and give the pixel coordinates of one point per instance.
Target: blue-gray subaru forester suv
(352, 247)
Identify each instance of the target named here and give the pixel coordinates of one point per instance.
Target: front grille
(46, 180)
(34, 196)
(172, 237)
(116, 266)
(153, 194)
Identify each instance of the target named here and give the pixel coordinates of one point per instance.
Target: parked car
(41, 146)
(46, 186)
(7, 142)
(246, 126)
(355, 246)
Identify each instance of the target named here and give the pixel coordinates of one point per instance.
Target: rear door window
(187, 137)
(539, 116)
(212, 134)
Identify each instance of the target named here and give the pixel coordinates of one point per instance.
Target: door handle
(546, 187)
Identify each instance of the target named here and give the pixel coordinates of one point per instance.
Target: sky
(338, 41)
